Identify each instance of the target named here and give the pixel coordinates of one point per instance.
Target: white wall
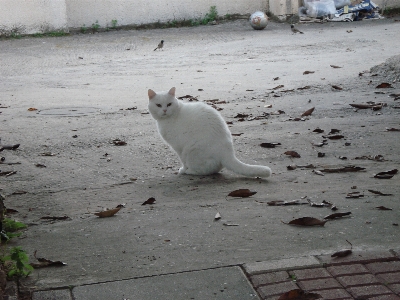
(137, 12)
(32, 16)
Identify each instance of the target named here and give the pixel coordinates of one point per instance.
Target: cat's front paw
(182, 170)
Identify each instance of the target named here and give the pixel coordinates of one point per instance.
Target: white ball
(258, 20)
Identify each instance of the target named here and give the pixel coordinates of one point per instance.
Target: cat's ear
(151, 94)
(172, 91)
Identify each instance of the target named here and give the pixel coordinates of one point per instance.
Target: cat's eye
(169, 104)
(158, 105)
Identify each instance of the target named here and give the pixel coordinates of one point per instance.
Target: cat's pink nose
(164, 110)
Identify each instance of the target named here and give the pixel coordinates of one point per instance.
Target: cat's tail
(238, 167)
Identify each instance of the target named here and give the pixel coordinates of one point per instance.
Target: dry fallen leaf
(242, 193)
(336, 215)
(335, 67)
(282, 203)
(299, 294)
(318, 173)
(318, 130)
(55, 218)
(118, 142)
(278, 87)
(308, 112)
(343, 169)
(392, 129)
(379, 193)
(383, 208)
(336, 87)
(43, 262)
(360, 106)
(292, 154)
(334, 136)
(384, 85)
(108, 213)
(354, 195)
(269, 145)
(386, 174)
(342, 253)
(149, 201)
(32, 109)
(308, 72)
(307, 221)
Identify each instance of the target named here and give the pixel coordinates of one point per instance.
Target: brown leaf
(379, 193)
(308, 72)
(242, 193)
(299, 294)
(151, 200)
(335, 67)
(386, 174)
(304, 88)
(383, 208)
(384, 85)
(318, 130)
(361, 106)
(342, 253)
(237, 134)
(241, 116)
(43, 262)
(337, 215)
(292, 154)
(343, 169)
(118, 142)
(307, 221)
(269, 145)
(308, 112)
(336, 87)
(354, 195)
(392, 129)
(334, 137)
(55, 218)
(108, 213)
(32, 109)
(278, 87)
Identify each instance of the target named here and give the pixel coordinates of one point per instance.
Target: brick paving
(358, 276)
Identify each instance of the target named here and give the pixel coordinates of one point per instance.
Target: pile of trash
(338, 10)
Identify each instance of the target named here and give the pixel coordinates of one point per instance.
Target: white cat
(199, 135)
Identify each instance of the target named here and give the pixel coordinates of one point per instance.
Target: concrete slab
(282, 264)
(222, 283)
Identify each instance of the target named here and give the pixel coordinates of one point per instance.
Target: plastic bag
(320, 8)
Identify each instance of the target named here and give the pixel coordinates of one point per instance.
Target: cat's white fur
(199, 135)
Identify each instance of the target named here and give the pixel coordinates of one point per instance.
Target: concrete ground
(90, 90)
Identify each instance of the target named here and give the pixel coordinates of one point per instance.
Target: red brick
(276, 289)
(384, 267)
(356, 269)
(337, 294)
(357, 280)
(311, 273)
(269, 278)
(369, 290)
(386, 297)
(357, 257)
(389, 277)
(319, 284)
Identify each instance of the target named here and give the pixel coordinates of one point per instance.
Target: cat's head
(162, 104)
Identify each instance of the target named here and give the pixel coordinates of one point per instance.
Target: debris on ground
(338, 11)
